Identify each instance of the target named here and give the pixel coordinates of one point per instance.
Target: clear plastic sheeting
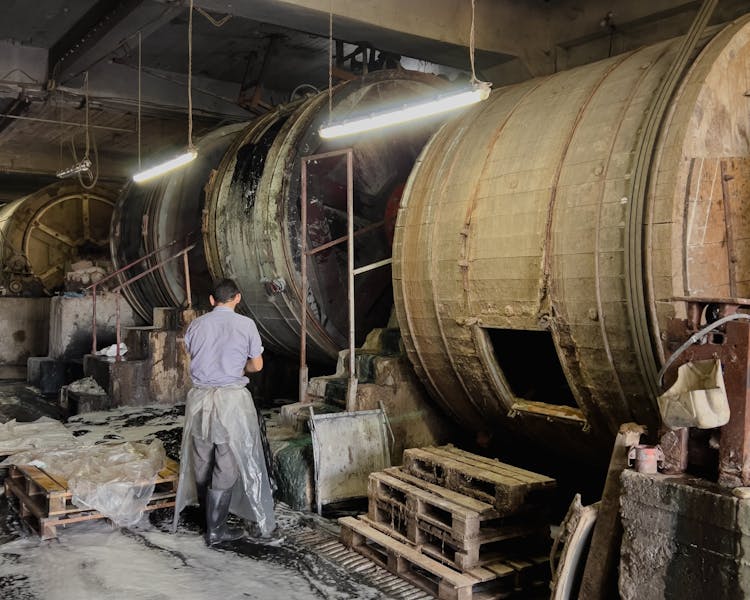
(697, 398)
(226, 415)
(115, 479)
(40, 434)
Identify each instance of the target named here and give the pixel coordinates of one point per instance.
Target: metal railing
(348, 153)
(133, 279)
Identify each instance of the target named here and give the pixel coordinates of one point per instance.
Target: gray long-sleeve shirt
(219, 344)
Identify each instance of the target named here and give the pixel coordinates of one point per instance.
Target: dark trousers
(214, 464)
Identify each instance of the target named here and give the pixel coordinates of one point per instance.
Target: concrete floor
(93, 560)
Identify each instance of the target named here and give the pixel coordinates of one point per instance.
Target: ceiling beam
(103, 30)
(435, 30)
(163, 93)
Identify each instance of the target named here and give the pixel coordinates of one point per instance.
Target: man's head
(225, 293)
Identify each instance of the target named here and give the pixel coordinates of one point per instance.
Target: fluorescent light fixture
(80, 167)
(167, 166)
(408, 113)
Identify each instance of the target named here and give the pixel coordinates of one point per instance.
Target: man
(222, 463)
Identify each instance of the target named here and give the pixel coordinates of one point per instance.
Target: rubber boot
(201, 489)
(217, 511)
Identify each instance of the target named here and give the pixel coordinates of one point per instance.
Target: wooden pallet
(509, 489)
(450, 527)
(45, 502)
(497, 580)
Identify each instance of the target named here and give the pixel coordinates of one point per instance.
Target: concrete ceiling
(250, 54)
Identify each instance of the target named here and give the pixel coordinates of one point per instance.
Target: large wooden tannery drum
(240, 203)
(44, 232)
(252, 223)
(158, 219)
(532, 282)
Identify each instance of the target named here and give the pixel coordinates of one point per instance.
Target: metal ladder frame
(351, 388)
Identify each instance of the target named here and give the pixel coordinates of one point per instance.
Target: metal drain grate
(325, 544)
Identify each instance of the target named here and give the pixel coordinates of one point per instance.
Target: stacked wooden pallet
(458, 525)
(45, 502)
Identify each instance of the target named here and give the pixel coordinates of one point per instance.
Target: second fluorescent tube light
(165, 167)
(408, 113)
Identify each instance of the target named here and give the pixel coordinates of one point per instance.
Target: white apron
(226, 415)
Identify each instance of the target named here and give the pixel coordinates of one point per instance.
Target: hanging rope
(140, 64)
(60, 100)
(214, 22)
(330, 59)
(472, 45)
(93, 171)
(190, 78)
(86, 102)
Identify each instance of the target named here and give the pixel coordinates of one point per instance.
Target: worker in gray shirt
(222, 465)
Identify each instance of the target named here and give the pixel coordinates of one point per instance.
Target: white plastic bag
(111, 351)
(697, 398)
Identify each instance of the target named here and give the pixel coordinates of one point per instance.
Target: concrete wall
(24, 332)
(70, 324)
(684, 538)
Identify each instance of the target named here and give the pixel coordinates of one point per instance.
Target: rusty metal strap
(634, 285)
(696, 337)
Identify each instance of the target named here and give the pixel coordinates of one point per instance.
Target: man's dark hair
(225, 290)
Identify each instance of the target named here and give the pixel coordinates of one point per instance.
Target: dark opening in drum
(530, 364)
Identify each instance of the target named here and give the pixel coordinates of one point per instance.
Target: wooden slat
(493, 464)
(485, 510)
(500, 569)
(498, 579)
(457, 580)
(42, 479)
(469, 467)
(415, 492)
(505, 490)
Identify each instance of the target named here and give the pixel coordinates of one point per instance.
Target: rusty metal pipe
(303, 275)
(343, 238)
(93, 319)
(118, 355)
(161, 263)
(351, 396)
(188, 294)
